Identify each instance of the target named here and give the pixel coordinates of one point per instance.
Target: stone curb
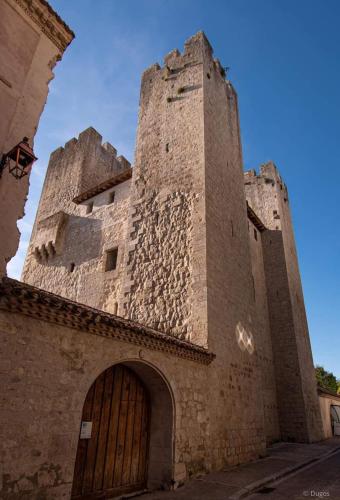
(255, 485)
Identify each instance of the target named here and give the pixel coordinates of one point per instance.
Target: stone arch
(160, 443)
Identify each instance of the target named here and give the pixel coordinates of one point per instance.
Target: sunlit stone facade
(182, 268)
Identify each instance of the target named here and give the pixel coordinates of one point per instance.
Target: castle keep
(176, 278)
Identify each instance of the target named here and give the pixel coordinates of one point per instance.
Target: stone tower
(188, 267)
(70, 239)
(179, 250)
(188, 259)
(299, 413)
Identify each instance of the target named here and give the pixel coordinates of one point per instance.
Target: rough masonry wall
(27, 58)
(75, 265)
(44, 396)
(165, 283)
(296, 386)
(188, 188)
(164, 234)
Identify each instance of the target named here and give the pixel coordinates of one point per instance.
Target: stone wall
(169, 180)
(264, 342)
(75, 266)
(159, 264)
(189, 265)
(43, 397)
(325, 401)
(294, 369)
(32, 39)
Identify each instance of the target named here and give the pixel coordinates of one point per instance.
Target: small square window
(111, 259)
(111, 197)
(89, 207)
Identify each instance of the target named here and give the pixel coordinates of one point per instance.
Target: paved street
(321, 480)
(317, 480)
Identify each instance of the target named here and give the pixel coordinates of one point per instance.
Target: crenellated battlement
(196, 49)
(88, 162)
(268, 174)
(267, 194)
(89, 138)
(82, 165)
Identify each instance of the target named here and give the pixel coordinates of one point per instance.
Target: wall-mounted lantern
(19, 159)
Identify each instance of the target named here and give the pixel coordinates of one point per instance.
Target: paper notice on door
(85, 430)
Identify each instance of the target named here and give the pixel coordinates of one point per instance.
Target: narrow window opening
(208, 75)
(115, 308)
(255, 234)
(111, 197)
(111, 259)
(71, 267)
(89, 207)
(167, 147)
(232, 228)
(275, 212)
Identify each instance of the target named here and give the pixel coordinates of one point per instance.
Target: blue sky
(284, 57)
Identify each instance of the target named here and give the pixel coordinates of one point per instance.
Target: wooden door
(113, 460)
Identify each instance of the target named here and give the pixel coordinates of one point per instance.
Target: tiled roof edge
(22, 298)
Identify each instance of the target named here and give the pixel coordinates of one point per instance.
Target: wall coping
(48, 21)
(28, 300)
(325, 393)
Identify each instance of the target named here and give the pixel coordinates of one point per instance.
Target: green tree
(326, 379)
(338, 384)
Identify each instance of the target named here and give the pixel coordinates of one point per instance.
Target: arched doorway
(125, 441)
